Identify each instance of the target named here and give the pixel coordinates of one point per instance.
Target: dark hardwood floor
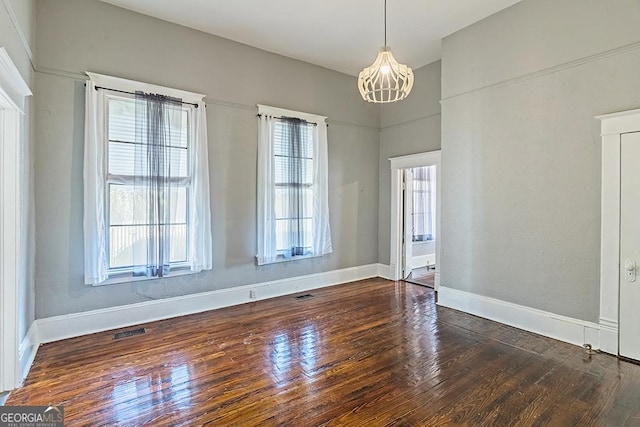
(368, 353)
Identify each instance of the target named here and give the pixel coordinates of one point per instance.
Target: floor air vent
(129, 333)
(305, 296)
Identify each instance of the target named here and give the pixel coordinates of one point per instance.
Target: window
(146, 182)
(424, 203)
(293, 217)
(293, 162)
(128, 187)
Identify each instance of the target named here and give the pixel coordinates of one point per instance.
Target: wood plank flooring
(368, 353)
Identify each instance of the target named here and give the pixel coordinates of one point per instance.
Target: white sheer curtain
(200, 240)
(267, 248)
(268, 251)
(96, 230)
(321, 229)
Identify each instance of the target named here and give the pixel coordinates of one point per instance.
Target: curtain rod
(283, 117)
(133, 93)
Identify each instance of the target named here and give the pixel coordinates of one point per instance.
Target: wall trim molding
(23, 39)
(406, 122)
(81, 77)
(550, 70)
(77, 324)
(423, 260)
(562, 328)
(384, 271)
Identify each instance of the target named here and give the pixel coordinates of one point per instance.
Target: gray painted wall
(521, 148)
(408, 127)
(18, 37)
(86, 35)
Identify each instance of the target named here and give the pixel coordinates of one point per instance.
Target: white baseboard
(76, 324)
(384, 271)
(423, 260)
(28, 349)
(551, 325)
(436, 282)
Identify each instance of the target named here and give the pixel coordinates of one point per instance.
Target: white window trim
(204, 260)
(318, 120)
(132, 86)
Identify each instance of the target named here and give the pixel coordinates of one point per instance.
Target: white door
(408, 223)
(629, 332)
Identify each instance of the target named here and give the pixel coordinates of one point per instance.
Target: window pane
(128, 231)
(131, 159)
(178, 243)
(293, 170)
(287, 231)
(178, 213)
(124, 242)
(180, 129)
(281, 137)
(127, 205)
(286, 204)
(122, 114)
(128, 245)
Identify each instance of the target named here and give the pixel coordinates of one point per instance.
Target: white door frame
(397, 164)
(613, 126)
(407, 214)
(13, 90)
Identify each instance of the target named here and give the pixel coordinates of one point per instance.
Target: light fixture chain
(385, 22)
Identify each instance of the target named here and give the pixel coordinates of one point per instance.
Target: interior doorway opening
(419, 225)
(419, 231)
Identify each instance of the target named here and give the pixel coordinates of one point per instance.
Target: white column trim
(13, 90)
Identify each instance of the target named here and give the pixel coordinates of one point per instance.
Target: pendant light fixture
(386, 80)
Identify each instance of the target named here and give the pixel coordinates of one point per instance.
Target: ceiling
(343, 35)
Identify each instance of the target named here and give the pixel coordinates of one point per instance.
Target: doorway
(629, 333)
(419, 224)
(404, 233)
(619, 333)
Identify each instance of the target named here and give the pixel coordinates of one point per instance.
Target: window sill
(282, 259)
(128, 277)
